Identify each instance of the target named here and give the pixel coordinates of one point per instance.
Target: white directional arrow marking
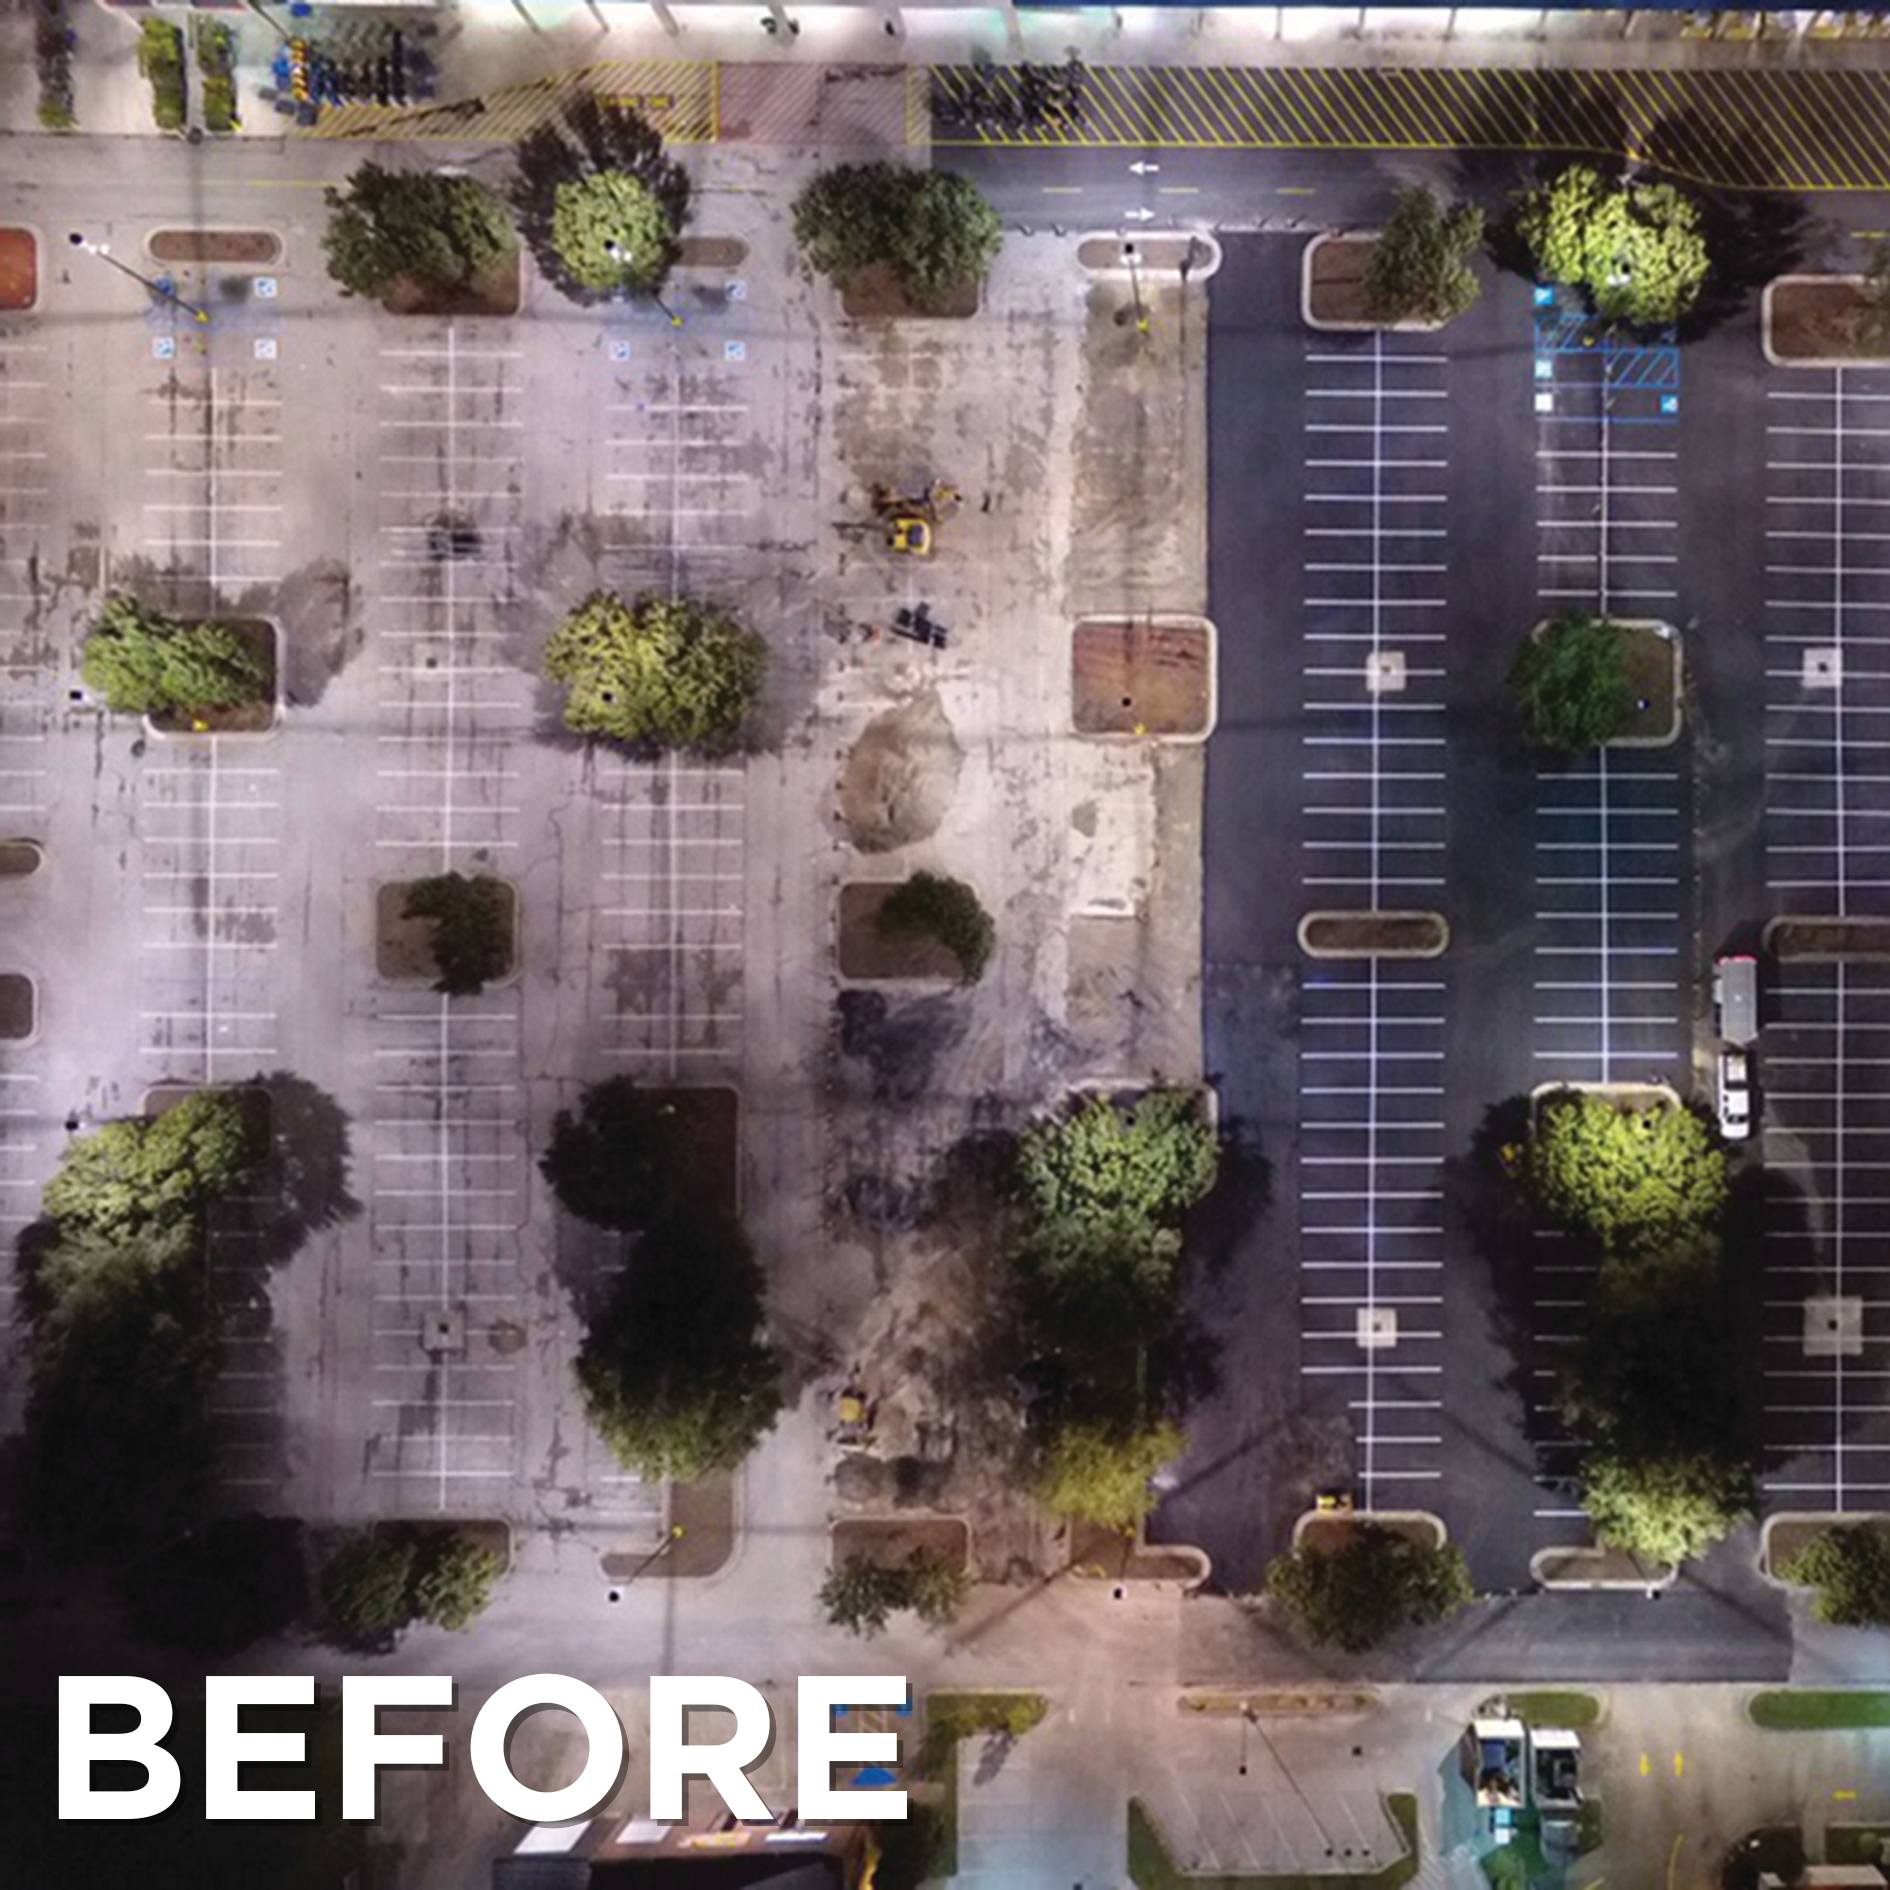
(1138, 216)
(1142, 168)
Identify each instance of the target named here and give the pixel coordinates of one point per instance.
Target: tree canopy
(472, 929)
(612, 232)
(142, 1173)
(862, 1596)
(624, 1159)
(145, 662)
(1374, 1583)
(668, 672)
(677, 1376)
(1849, 1565)
(1637, 250)
(1641, 1181)
(421, 226)
(933, 229)
(1100, 1472)
(930, 905)
(1419, 268)
(1665, 1508)
(1098, 1160)
(379, 1581)
(1570, 679)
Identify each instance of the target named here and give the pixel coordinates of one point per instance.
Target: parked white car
(1735, 1095)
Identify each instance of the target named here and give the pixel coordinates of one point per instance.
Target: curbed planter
(1144, 678)
(1326, 1530)
(1655, 672)
(710, 252)
(1803, 319)
(1587, 1567)
(1107, 253)
(1823, 938)
(19, 1007)
(891, 1541)
(1637, 1096)
(252, 721)
(21, 859)
(1099, 1554)
(700, 1540)
(1374, 934)
(1332, 273)
(258, 1105)
(869, 956)
(403, 947)
(231, 248)
(19, 268)
(1797, 1527)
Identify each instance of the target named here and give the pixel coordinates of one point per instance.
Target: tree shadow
(1751, 240)
(1218, 1225)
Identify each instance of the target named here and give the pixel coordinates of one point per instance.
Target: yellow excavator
(910, 521)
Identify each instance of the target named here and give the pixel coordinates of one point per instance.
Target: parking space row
(667, 979)
(1376, 452)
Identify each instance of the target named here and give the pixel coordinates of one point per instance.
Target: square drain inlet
(443, 1332)
(1377, 1328)
(1384, 672)
(1834, 1328)
(1824, 667)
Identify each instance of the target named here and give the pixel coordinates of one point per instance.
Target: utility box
(1555, 1764)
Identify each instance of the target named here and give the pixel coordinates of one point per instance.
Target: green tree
(1641, 1181)
(453, 1581)
(930, 905)
(936, 1587)
(472, 929)
(1638, 251)
(1419, 268)
(1849, 1566)
(612, 232)
(932, 229)
(386, 227)
(141, 1173)
(367, 1584)
(676, 1374)
(1100, 1472)
(1154, 1159)
(664, 671)
(144, 662)
(1370, 1586)
(1570, 680)
(862, 1597)
(625, 1159)
(1663, 1508)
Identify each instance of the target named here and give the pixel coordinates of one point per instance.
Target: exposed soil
(19, 269)
(892, 1541)
(1109, 1555)
(1386, 934)
(710, 1122)
(877, 294)
(1653, 672)
(216, 246)
(1824, 320)
(403, 947)
(497, 292)
(1327, 1533)
(247, 718)
(900, 776)
(711, 252)
(1338, 280)
(19, 859)
(868, 953)
(1829, 938)
(19, 1006)
(1131, 676)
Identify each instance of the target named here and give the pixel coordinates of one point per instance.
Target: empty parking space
(29, 662)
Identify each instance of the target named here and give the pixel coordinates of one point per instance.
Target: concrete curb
(1671, 636)
(1346, 951)
(277, 261)
(1349, 328)
(1602, 1584)
(1819, 361)
(1314, 1518)
(1824, 1518)
(277, 715)
(1196, 239)
(1773, 925)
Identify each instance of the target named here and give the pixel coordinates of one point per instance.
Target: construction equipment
(910, 521)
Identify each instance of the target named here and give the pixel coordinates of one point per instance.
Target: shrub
(1849, 1566)
(862, 1597)
(668, 672)
(145, 662)
(612, 232)
(472, 929)
(933, 229)
(1664, 1508)
(161, 60)
(216, 60)
(366, 1585)
(929, 905)
(1420, 266)
(453, 1581)
(1571, 682)
(1373, 1584)
(1100, 1472)
(1638, 251)
(386, 226)
(1154, 1159)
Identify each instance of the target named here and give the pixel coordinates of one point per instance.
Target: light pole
(618, 254)
(1135, 289)
(103, 252)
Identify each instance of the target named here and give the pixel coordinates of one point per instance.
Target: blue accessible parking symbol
(1670, 403)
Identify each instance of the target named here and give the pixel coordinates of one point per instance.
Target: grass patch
(1552, 1708)
(1811, 1709)
(1151, 1867)
(1856, 1843)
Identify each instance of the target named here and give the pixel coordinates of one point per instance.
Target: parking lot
(1825, 1052)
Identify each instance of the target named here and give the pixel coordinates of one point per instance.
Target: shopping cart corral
(355, 63)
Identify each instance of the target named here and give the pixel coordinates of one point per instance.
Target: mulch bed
(19, 858)
(19, 1006)
(705, 1513)
(1653, 665)
(216, 246)
(1328, 1533)
(1814, 320)
(248, 718)
(711, 252)
(403, 947)
(1133, 677)
(1380, 932)
(876, 293)
(1786, 1541)
(892, 1541)
(1338, 280)
(1829, 938)
(867, 953)
(1109, 1555)
(497, 292)
(19, 269)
